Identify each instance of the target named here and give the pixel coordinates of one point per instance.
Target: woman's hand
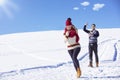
(67, 33)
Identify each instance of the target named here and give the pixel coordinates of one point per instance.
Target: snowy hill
(43, 56)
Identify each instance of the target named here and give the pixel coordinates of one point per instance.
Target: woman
(72, 41)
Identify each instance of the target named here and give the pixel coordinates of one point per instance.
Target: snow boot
(78, 72)
(97, 64)
(90, 64)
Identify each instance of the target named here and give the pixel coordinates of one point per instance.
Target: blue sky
(38, 15)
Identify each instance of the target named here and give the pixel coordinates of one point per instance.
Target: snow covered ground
(44, 56)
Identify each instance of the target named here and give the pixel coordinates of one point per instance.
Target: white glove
(65, 39)
(67, 33)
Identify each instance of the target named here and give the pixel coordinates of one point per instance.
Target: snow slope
(43, 56)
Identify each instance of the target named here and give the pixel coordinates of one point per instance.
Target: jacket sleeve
(84, 29)
(77, 38)
(65, 30)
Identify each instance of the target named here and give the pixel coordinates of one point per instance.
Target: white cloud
(85, 3)
(76, 8)
(98, 6)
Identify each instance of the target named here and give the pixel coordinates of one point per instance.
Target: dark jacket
(93, 34)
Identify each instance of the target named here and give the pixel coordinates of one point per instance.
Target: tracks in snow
(110, 45)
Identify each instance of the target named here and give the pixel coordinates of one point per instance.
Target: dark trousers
(93, 48)
(74, 53)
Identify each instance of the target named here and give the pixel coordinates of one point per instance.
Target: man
(93, 35)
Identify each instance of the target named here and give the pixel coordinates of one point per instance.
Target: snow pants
(93, 48)
(74, 53)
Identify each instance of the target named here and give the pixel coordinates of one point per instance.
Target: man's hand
(86, 23)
